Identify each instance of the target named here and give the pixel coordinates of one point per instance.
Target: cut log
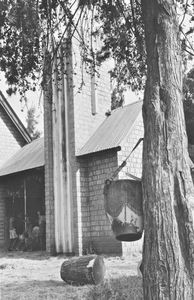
(89, 269)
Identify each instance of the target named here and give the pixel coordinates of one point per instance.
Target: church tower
(76, 110)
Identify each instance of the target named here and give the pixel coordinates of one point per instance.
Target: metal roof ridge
(125, 106)
(14, 118)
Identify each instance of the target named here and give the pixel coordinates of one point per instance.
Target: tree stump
(89, 269)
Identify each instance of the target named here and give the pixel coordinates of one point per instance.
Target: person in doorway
(12, 234)
(42, 230)
(35, 238)
(28, 235)
(20, 228)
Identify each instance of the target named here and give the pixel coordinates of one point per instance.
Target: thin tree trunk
(168, 253)
(48, 136)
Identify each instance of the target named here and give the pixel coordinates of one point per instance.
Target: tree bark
(48, 136)
(82, 270)
(168, 253)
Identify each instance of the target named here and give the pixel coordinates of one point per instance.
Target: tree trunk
(168, 191)
(82, 270)
(48, 136)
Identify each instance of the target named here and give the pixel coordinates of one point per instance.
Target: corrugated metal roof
(113, 130)
(29, 157)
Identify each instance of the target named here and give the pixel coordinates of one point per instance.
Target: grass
(35, 276)
(122, 288)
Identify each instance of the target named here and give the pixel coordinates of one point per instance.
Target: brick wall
(134, 162)
(85, 122)
(96, 229)
(82, 124)
(93, 229)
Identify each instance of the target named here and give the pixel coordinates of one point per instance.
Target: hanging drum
(123, 206)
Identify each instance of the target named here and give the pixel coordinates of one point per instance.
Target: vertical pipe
(56, 182)
(94, 98)
(25, 203)
(63, 159)
(67, 99)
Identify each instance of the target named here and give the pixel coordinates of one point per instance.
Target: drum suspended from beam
(123, 206)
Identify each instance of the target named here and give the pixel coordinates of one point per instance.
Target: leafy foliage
(119, 26)
(188, 86)
(20, 44)
(32, 123)
(28, 27)
(123, 39)
(26, 24)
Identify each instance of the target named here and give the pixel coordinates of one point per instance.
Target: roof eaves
(118, 148)
(2, 174)
(14, 118)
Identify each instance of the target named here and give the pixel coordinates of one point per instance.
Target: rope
(116, 172)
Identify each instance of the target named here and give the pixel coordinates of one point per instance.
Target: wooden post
(25, 203)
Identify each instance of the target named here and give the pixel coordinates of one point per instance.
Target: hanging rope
(116, 172)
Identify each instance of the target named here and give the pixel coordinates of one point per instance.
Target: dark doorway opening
(25, 203)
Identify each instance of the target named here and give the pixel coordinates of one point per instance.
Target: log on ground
(89, 269)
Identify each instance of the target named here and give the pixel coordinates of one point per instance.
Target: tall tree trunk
(168, 253)
(48, 136)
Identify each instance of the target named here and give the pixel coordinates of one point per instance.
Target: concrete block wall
(97, 233)
(82, 124)
(85, 122)
(134, 162)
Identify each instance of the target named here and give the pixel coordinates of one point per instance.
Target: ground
(37, 276)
